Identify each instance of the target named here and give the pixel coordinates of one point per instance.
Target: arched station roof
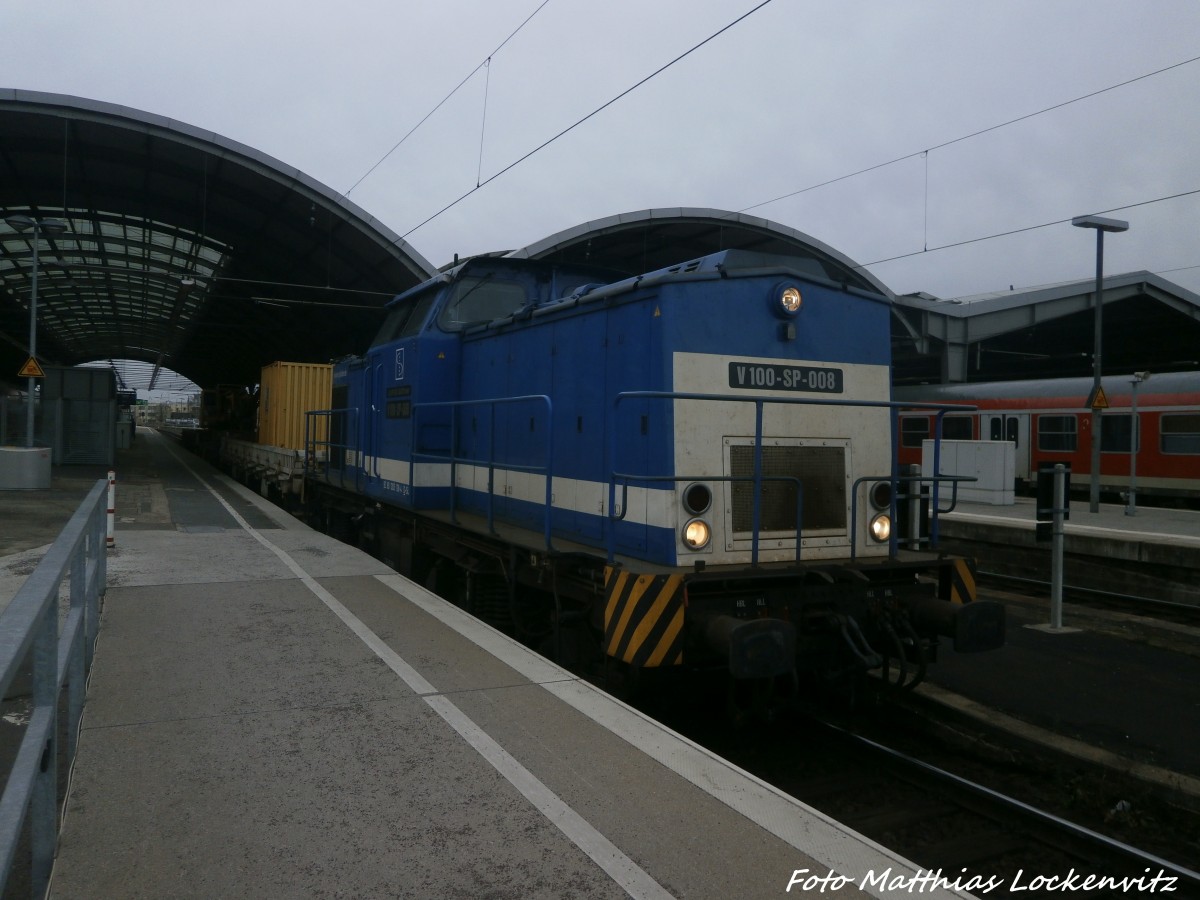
(1148, 324)
(651, 239)
(182, 248)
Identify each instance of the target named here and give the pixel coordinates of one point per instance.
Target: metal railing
(321, 454)
(623, 480)
(489, 461)
(29, 627)
(757, 479)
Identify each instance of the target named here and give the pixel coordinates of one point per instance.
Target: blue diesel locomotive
(691, 467)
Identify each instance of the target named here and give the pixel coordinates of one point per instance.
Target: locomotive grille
(822, 472)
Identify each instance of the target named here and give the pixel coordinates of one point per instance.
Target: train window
(958, 428)
(405, 320)
(913, 430)
(1180, 433)
(1057, 433)
(482, 299)
(1116, 433)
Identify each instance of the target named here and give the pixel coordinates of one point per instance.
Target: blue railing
(757, 478)
(30, 623)
(490, 462)
(616, 511)
(318, 462)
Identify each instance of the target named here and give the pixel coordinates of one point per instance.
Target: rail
(616, 512)
(915, 539)
(316, 461)
(454, 459)
(31, 623)
(757, 478)
(625, 479)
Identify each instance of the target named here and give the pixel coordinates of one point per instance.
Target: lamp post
(1134, 443)
(1101, 225)
(40, 227)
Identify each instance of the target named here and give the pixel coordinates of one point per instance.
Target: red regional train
(1050, 422)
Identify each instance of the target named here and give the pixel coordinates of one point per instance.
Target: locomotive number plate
(755, 376)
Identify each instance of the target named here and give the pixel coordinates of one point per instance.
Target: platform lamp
(23, 223)
(1101, 225)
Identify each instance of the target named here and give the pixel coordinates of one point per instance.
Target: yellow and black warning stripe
(643, 618)
(958, 581)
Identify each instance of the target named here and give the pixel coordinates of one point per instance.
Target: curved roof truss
(182, 248)
(652, 239)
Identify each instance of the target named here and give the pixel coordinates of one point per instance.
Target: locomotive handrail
(759, 402)
(313, 460)
(935, 503)
(902, 479)
(490, 462)
(374, 428)
(625, 479)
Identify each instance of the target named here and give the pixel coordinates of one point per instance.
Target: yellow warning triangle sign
(31, 369)
(1097, 399)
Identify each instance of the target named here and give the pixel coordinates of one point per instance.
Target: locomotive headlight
(696, 534)
(789, 299)
(881, 528)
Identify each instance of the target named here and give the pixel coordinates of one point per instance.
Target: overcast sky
(798, 93)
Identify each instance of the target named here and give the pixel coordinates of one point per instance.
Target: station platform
(1154, 553)
(274, 714)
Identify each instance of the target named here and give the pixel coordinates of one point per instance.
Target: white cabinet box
(993, 463)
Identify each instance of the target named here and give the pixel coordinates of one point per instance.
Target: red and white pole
(112, 508)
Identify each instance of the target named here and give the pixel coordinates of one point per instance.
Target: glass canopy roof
(111, 285)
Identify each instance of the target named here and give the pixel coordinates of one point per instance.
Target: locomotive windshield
(405, 319)
(481, 299)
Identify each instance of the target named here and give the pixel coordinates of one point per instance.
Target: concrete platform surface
(1157, 525)
(274, 714)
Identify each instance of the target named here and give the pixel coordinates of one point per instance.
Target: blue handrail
(759, 403)
(490, 461)
(313, 461)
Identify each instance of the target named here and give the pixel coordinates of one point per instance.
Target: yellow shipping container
(286, 392)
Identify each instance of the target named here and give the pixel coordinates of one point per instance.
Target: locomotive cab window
(481, 299)
(1180, 433)
(405, 320)
(1057, 433)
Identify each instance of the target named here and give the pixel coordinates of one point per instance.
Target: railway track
(988, 815)
(946, 822)
(1038, 590)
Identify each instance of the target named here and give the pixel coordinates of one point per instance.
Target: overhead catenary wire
(973, 134)
(920, 153)
(591, 115)
(924, 153)
(486, 62)
(1000, 234)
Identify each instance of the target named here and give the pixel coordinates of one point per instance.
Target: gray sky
(800, 92)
